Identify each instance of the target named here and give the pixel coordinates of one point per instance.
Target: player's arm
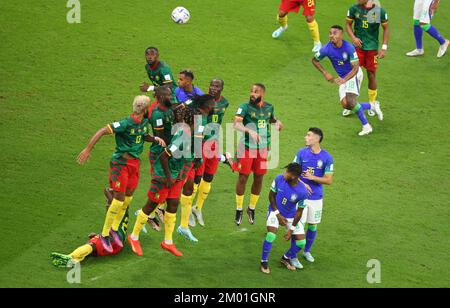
(353, 72)
(385, 26)
(320, 68)
(273, 203)
(83, 157)
(349, 27)
(239, 126)
(327, 179)
(298, 216)
(164, 158)
(274, 121)
(152, 139)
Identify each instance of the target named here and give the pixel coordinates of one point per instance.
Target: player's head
(164, 95)
(203, 103)
(293, 172)
(314, 136)
(140, 104)
(151, 55)
(257, 93)
(185, 79)
(336, 34)
(216, 87)
(364, 2)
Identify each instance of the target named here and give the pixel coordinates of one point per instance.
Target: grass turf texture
(60, 82)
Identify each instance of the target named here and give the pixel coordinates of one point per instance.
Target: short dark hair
(188, 73)
(222, 83)
(295, 169)
(152, 49)
(160, 90)
(260, 85)
(337, 27)
(201, 101)
(316, 131)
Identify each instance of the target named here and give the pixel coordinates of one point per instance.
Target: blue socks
(267, 246)
(359, 110)
(310, 237)
(435, 34)
(294, 250)
(418, 35)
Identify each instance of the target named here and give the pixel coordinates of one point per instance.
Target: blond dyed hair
(140, 104)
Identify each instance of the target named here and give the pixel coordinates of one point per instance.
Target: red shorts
(165, 193)
(293, 6)
(368, 59)
(210, 159)
(123, 177)
(251, 161)
(100, 251)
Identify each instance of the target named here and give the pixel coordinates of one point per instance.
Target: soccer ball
(180, 15)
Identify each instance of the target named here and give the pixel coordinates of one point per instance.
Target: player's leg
(203, 193)
(359, 109)
(254, 197)
(373, 90)
(298, 241)
(197, 182)
(240, 194)
(141, 221)
(418, 32)
(272, 229)
(309, 10)
(286, 6)
(314, 218)
(170, 219)
(425, 24)
(77, 256)
(186, 208)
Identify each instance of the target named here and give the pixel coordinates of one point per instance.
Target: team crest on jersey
(293, 198)
(319, 164)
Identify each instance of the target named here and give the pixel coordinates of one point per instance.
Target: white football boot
(277, 33)
(346, 112)
(308, 257)
(377, 110)
(367, 129)
(192, 222)
(415, 53)
(443, 49)
(199, 216)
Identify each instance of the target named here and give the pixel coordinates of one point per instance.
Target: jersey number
(215, 118)
(138, 139)
(310, 3)
(284, 201)
(365, 24)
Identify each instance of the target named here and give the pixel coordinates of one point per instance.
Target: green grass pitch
(60, 82)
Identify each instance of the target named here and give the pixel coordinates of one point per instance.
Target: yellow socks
(239, 202)
(186, 207)
(253, 201)
(203, 192)
(81, 252)
(314, 29)
(141, 220)
(113, 211)
(282, 21)
(195, 189)
(373, 95)
(121, 212)
(169, 226)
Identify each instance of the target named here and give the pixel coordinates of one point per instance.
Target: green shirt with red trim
(215, 118)
(161, 120)
(160, 75)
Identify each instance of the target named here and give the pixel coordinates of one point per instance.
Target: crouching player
(287, 197)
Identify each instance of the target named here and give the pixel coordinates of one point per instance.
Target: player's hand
(83, 157)
(339, 81)
(307, 175)
(279, 126)
(329, 77)
(255, 136)
(357, 42)
(288, 235)
(309, 189)
(161, 142)
(144, 87)
(381, 54)
(434, 6)
(282, 220)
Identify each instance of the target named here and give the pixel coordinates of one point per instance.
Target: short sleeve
(119, 127)
(275, 182)
(352, 53)
(242, 111)
(351, 13)
(301, 204)
(166, 75)
(297, 158)
(157, 121)
(329, 166)
(383, 16)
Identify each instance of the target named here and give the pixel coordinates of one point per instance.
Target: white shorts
(312, 214)
(422, 11)
(351, 86)
(272, 221)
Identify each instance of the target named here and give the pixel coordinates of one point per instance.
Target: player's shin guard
(141, 221)
(239, 202)
(314, 29)
(186, 207)
(434, 33)
(121, 213)
(203, 192)
(81, 253)
(111, 215)
(282, 21)
(359, 110)
(372, 95)
(310, 237)
(418, 34)
(169, 226)
(267, 246)
(253, 201)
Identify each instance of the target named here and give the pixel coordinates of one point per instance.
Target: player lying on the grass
(424, 11)
(130, 134)
(317, 170)
(205, 174)
(254, 120)
(94, 246)
(158, 72)
(169, 175)
(287, 201)
(345, 61)
(186, 90)
(309, 10)
(366, 18)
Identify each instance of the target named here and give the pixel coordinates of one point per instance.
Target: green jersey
(257, 118)
(160, 75)
(161, 120)
(367, 24)
(129, 134)
(215, 118)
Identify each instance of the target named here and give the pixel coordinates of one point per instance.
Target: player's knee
(310, 18)
(312, 228)
(270, 237)
(282, 13)
(243, 178)
(300, 243)
(208, 178)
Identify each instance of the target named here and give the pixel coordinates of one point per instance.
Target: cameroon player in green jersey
(366, 18)
(130, 134)
(254, 119)
(205, 175)
(158, 72)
